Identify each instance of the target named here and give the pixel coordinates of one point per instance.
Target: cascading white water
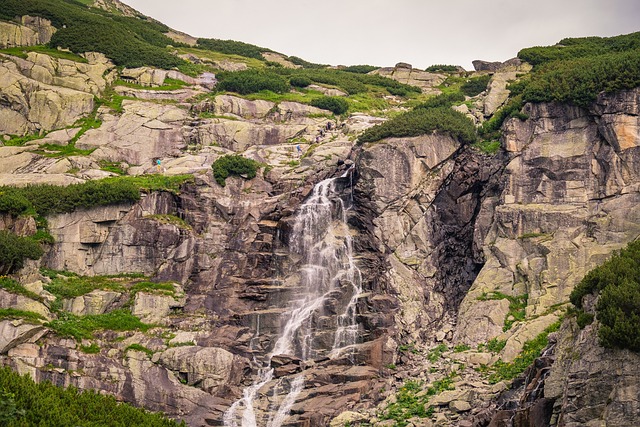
(328, 272)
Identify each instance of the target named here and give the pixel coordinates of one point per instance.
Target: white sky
(384, 32)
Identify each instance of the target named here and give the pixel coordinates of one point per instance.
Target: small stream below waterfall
(328, 286)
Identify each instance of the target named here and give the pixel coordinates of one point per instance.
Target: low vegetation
(420, 121)
(83, 327)
(617, 282)
(517, 306)
(44, 199)
(14, 250)
(25, 403)
(409, 403)
(233, 47)
(442, 68)
(530, 352)
(252, 81)
(336, 104)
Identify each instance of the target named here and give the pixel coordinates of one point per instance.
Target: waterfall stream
(328, 286)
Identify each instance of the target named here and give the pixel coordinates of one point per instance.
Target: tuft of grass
(409, 403)
(93, 348)
(14, 287)
(165, 288)
(487, 147)
(436, 353)
(170, 219)
(517, 306)
(23, 51)
(139, 347)
(12, 313)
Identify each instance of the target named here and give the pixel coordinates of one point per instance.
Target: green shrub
(441, 68)
(490, 130)
(129, 42)
(436, 353)
(252, 81)
(579, 81)
(299, 81)
(442, 100)
(25, 403)
(45, 199)
(336, 104)
(495, 346)
(305, 64)
(475, 85)
(139, 347)
(12, 313)
(359, 69)
(228, 165)
(422, 121)
(572, 48)
(14, 250)
(233, 47)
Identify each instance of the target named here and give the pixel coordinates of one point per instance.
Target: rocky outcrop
(513, 64)
(42, 93)
(279, 59)
(30, 32)
(550, 228)
(405, 73)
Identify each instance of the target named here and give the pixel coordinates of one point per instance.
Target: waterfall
(329, 284)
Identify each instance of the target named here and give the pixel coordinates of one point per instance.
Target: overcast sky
(384, 32)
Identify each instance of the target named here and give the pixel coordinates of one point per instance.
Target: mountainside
(231, 236)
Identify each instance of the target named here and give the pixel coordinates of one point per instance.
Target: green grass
(22, 52)
(14, 287)
(84, 327)
(409, 403)
(517, 306)
(487, 147)
(25, 403)
(495, 345)
(170, 219)
(12, 313)
(19, 141)
(113, 167)
(219, 56)
(168, 84)
(145, 286)
(460, 348)
(92, 348)
(531, 351)
(138, 347)
(436, 353)
(72, 285)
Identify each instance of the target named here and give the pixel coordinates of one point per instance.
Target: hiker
(158, 165)
(299, 150)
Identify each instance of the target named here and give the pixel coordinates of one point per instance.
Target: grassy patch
(409, 403)
(92, 348)
(72, 285)
(436, 353)
(113, 167)
(168, 84)
(220, 56)
(531, 351)
(14, 287)
(487, 147)
(83, 327)
(170, 219)
(23, 51)
(138, 347)
(495, 345)
(12, 313)
(517, 306)
(19, 141)
(460, 348)
(153, 287)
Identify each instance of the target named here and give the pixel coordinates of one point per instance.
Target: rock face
(405, 73)
(45, 93)
(30, 32)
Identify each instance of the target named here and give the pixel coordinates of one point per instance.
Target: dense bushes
(441, 68)
(576, 70)
(360, 69)
(442, 100)
(580, 80)
(421, 121)
(299, 81)
(228, 165)
(233, 47)
(15, 249)
(475, 85)
(25, 403)
(572, 48)
(252, 81)
(129, 42)
(50, 199)
(335, 104)
(618, 309)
